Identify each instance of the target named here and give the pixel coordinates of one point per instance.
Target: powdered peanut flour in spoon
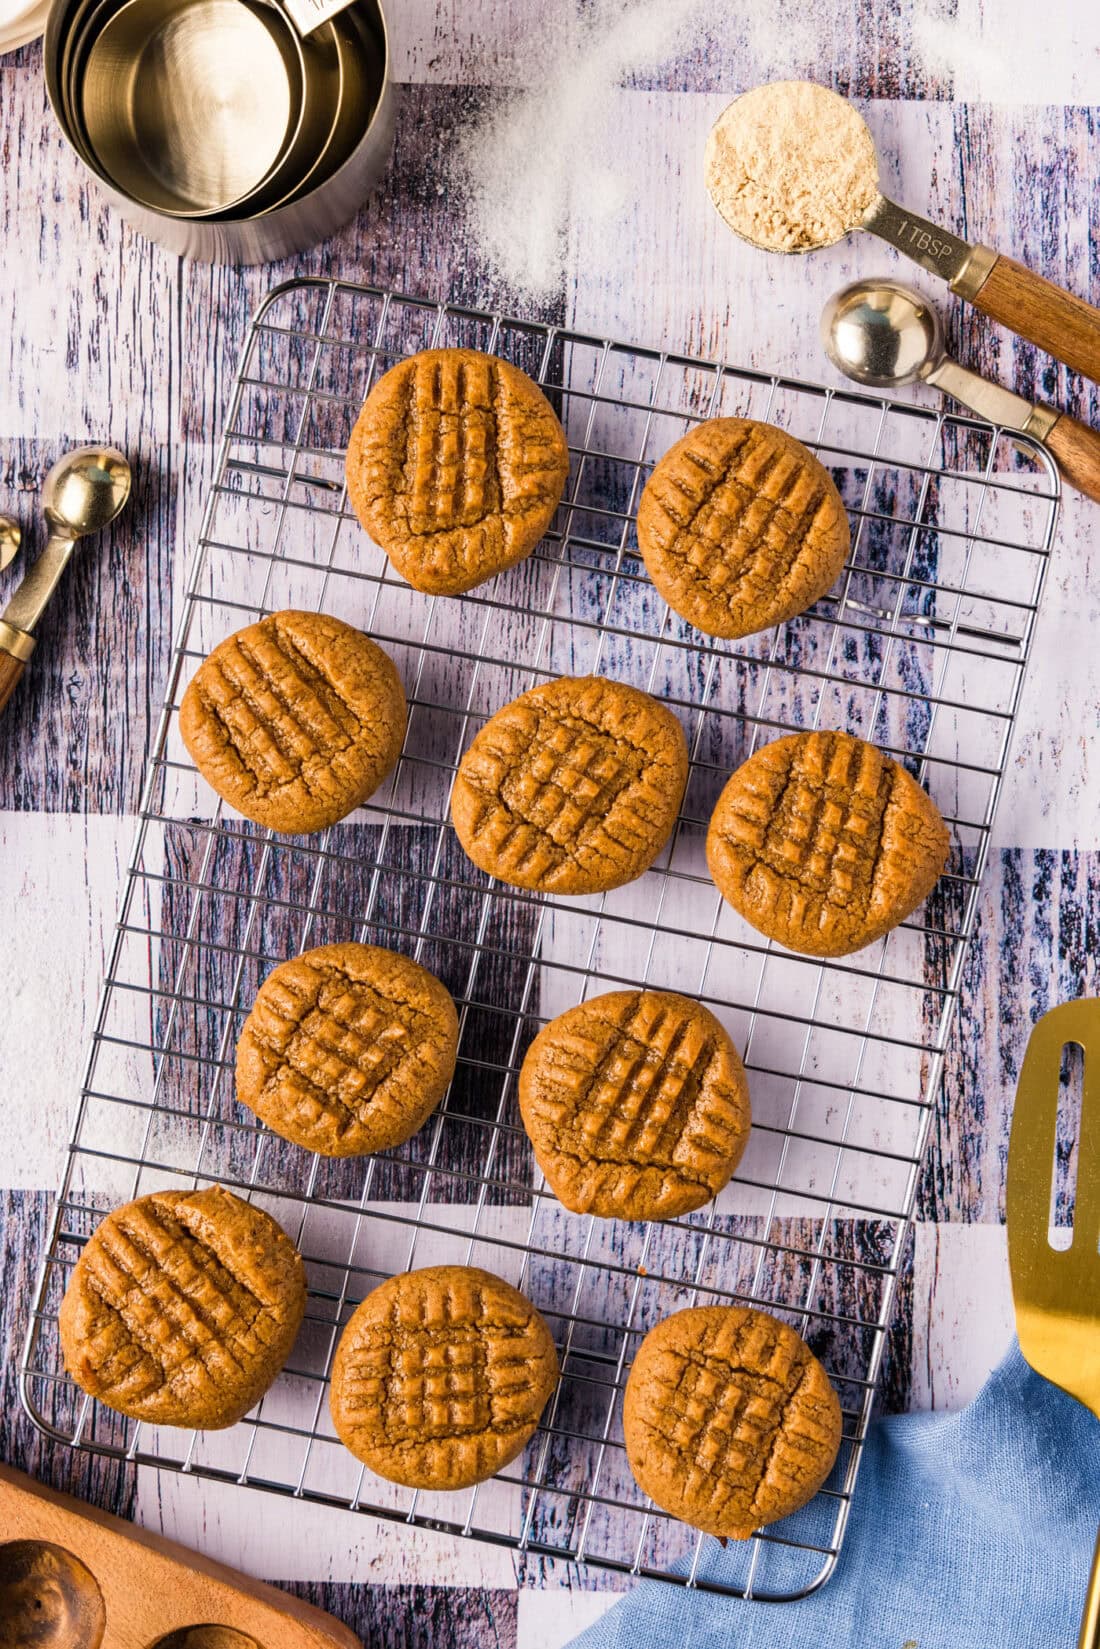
(791, 166)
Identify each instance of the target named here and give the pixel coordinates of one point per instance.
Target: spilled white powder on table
(522, 166)
(965, 46)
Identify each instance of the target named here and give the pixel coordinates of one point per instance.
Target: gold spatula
(1057, 1291)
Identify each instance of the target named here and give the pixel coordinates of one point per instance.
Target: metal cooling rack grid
(923, 648)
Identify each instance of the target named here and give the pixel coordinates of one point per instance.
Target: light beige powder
(791, 166)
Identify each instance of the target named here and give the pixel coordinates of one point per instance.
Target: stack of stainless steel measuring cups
(235, 131)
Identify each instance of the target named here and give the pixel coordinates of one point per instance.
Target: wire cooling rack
(921, 647)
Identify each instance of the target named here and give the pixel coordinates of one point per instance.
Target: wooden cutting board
(73, 1577)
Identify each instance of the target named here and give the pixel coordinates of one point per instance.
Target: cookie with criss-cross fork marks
(636, 1105)
(729, 1419)
(741, 527)
(455, 467)
(440, 1377)
(183, 1308)
(574, 787)
(824, 843)
(348, 1049)
(295, 720)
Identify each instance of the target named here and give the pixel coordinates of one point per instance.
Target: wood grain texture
(1077, 450)
(1037, 943)
(61, 876)
(149, 1585)
(1030, 179)
(1036, 309)
(419, 1617)
(11, 671)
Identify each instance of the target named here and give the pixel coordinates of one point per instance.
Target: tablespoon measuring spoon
(885, 334)
(757, 142)
(83, 493)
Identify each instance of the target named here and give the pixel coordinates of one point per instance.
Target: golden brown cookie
(348, 1049)
(740, 527)
(636, 1105)
(455, 467)
(440, 1377)
(729, 1419)
(295, 720)
(183, 1308)
(574, 787)
(825, 844)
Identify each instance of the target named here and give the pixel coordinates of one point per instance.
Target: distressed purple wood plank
(1025, 183)
(418, 1617)
(1036, 944)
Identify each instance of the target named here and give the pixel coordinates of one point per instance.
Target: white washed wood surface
(105, 336)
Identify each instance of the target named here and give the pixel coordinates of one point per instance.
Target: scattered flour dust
(980, 57)
(553, 148)
(522, 167)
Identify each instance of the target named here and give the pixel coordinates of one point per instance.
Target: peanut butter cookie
(825, 844)
(295, 720)
(440, 1377)
(729, 1419)
(455, 467)
(348, 1049)
(574, 787)
(636, 1105)
(740, 527)
(183, 1308)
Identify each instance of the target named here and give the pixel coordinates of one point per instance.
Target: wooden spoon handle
(1076, 449)
(10, 671)
(1066, 327)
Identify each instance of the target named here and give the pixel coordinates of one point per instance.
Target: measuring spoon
(886, 334)
(10, 539)
(82, 494)
(1034, 308)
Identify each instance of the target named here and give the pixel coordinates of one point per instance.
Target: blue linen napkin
(972, 1530)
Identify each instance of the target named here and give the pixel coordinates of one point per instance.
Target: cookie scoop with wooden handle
(1056, 1291)
(884, 334)
(82, 494)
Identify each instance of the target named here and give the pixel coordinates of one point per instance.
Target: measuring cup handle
(1076, 448)
(1065, 326)
(1090, 1620)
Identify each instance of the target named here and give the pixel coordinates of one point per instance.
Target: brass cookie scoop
(885, 334)
(82, 494)
(1056, 1292)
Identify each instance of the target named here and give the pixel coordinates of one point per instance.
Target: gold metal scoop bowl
(1057, 1291)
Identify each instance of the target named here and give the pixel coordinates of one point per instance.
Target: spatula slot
(1067, 1134)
